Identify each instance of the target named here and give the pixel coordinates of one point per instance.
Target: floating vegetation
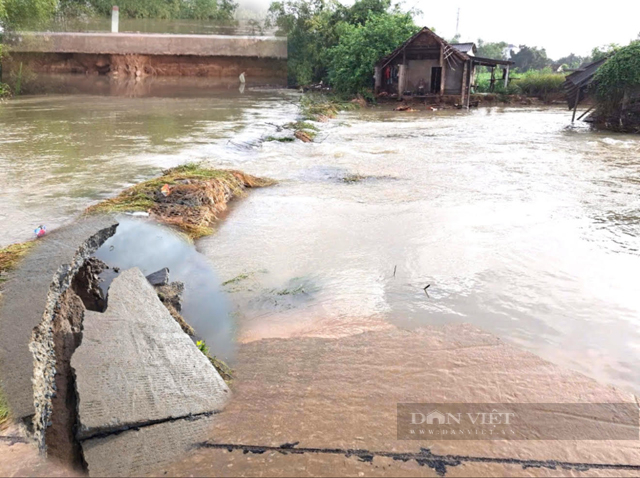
(236, 279)
(236, 284)
(353, 178)
(358, 178)
(302, 125)
(280, 139)
(291, 294)
(188, 197)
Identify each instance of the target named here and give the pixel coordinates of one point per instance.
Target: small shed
(576, 85)
(427, 66)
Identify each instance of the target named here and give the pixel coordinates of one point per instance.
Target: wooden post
(492, 82)
(469, 83)
(575, 106)
(506, 77)
(464, 83)
(442, 71)
(402, 76)
(377, 78)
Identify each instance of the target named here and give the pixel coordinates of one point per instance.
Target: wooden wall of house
(417, 70)
(453, 78)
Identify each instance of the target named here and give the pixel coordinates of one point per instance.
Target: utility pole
(458, 23)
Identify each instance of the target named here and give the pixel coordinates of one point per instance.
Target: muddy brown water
(521, 225)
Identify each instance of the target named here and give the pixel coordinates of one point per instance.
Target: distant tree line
(30, 13)
(528, 58)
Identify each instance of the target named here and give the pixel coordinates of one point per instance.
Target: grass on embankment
(223, 369)
(542, 84)
(4, 409)
(189, 197)
(11, 256)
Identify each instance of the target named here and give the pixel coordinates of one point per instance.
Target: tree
(21, 13)
(359, 13)
(600, 52)
(199, 9)
(493, 50)
(309, 28)
(530, 58)
(314, 27)
(361, 46)
(571, 61)
(455, 39)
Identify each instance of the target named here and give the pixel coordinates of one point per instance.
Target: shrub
(619, 74)
(361, 46)
(540, 83)
(26, 13)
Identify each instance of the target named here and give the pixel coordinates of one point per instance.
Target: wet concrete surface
(136, 366)
(342, 394)
(23, 303)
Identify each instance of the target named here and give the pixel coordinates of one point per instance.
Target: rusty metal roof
(478, 60)
(576, 84)
(387, 59)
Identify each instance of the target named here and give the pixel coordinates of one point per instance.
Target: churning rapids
(521, 225)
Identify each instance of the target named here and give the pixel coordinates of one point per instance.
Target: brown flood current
(522, 226)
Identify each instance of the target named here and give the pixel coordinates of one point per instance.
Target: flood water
(519, 224)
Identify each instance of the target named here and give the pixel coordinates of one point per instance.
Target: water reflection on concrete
(150, 247)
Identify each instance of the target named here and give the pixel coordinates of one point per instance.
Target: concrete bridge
(263, 59)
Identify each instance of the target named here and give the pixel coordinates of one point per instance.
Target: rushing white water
(521, 225)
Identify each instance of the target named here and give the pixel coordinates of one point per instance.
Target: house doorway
(436, 77)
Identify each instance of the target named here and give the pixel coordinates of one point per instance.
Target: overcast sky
(560, 26)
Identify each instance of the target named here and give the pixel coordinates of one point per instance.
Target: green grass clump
(303, 125)
(11, 255)
(283, 139)
(223, 369)
(4, 409)
(5, 91)
(317, 107)
(196, 197)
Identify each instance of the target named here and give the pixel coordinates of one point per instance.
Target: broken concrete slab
(136, 367)
(143, 449)
(26, 298)
(160, 277)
